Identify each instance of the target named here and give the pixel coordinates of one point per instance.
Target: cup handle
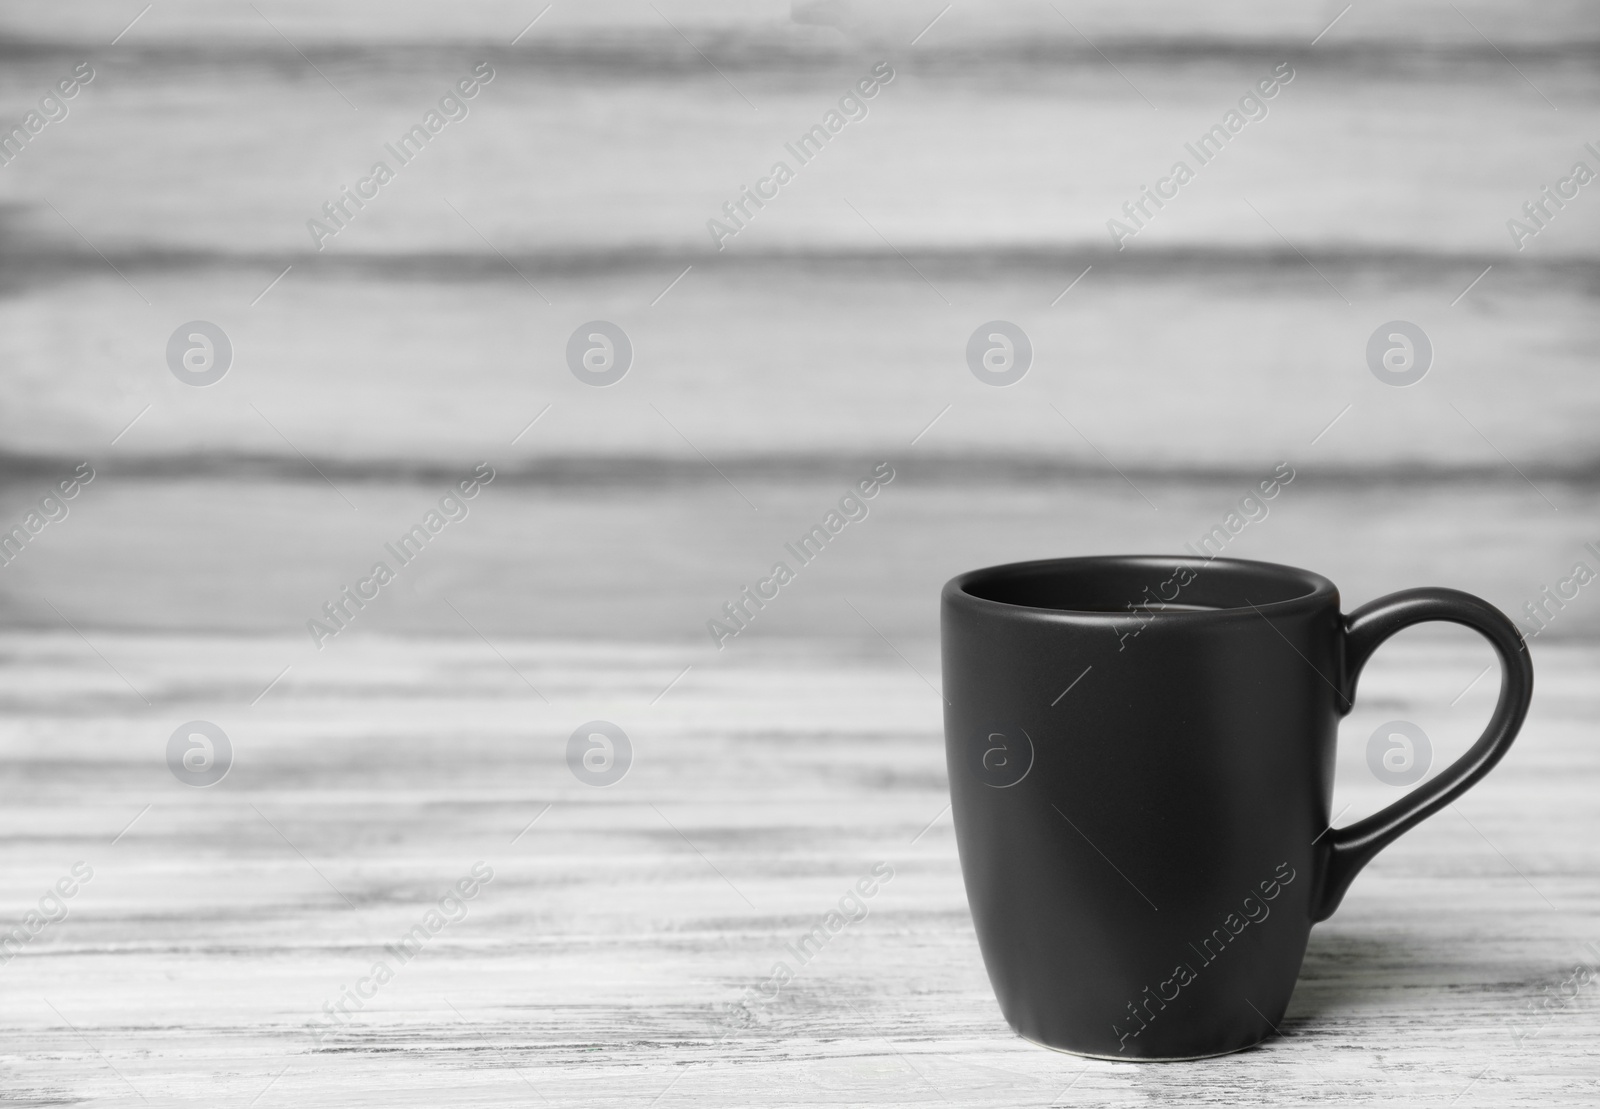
(1349, 849)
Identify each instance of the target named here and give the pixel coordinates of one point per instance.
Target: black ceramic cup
(1141, 756)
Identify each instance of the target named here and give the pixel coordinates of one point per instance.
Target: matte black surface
(1141, 794)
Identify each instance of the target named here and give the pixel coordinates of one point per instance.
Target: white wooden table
(599, 964)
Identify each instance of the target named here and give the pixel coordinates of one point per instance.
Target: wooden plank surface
(600, 963)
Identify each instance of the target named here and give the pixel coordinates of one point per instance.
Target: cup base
(1145, 1058)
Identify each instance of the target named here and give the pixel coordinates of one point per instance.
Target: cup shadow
(1345, 971)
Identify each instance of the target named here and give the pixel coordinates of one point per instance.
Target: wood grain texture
(604, 960)
(599, 964)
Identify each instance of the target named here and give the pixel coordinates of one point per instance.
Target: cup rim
(1317, 590)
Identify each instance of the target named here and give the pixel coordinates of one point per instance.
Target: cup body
(1138, 792)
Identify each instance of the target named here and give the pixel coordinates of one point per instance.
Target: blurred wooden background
(1228, 336)
(829, 335)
